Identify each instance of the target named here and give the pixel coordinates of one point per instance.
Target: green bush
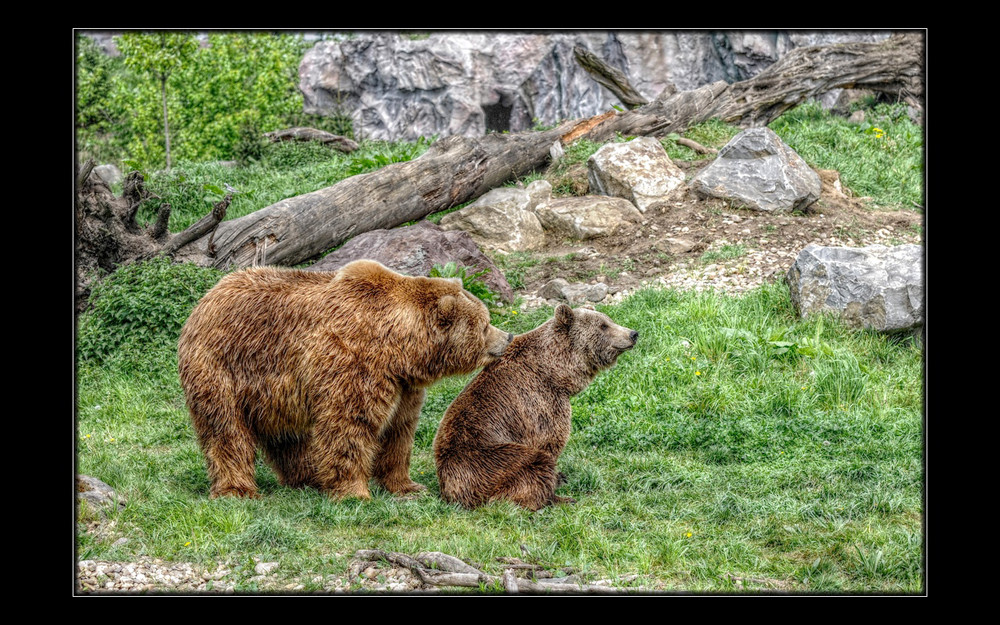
(236, 81)
(470, 283)
(141, 306)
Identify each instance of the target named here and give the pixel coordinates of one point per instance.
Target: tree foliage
(217, 91)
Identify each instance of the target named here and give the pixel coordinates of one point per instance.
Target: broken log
(454, 574)
(203, 226)
(301, 133)
(894, 66)
(453, 171)
(611, 78)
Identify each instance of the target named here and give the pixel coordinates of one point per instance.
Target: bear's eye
(604, 326)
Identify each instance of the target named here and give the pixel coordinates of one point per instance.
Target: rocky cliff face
(395, 87)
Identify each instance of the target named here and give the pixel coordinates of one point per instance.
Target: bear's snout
(499, 341)
(634, 335)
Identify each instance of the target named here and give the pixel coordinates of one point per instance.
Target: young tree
(158, 55)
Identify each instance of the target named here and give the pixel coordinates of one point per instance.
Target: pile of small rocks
(149, 574)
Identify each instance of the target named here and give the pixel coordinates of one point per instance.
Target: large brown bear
(325, 372)
(501, 436)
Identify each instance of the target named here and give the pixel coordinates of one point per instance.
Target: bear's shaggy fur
(502, 435)
(325, 372)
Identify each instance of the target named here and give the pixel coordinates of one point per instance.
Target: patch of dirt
(709, 243)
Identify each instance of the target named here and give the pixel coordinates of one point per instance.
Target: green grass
(734, 440)
(881, 158)
(708, 451)
(287, 169)
(711, 134)
(726, 252)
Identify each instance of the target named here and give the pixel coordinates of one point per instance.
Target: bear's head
(460, 327)
(423, 328)
(594, 337)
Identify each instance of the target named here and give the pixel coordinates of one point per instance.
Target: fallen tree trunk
(894, 66)
(611, 78)
(301, 133)
(457, 169)
(453, 171)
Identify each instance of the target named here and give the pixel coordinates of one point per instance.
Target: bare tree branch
(84, 173)
(611, 78)
(202, 227)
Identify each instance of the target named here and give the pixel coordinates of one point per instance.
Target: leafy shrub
(250, 144)
(235, 80)
(141, 305)
(470, 283)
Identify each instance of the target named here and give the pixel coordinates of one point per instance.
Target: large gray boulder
(587, 217)
(757, 170)
(875, 287)
(397, 87)
(638, 170)
(414, 250)
(504, 218)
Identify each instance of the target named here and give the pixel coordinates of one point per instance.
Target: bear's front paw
(561, 499)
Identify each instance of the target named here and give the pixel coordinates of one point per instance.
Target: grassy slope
(778, 465)
(735, 439)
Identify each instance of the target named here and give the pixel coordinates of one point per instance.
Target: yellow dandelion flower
(803, 388)
(688, 534)
(694, 358)
(668, 360)
(697, 372)
(187, 544)
(513, 312)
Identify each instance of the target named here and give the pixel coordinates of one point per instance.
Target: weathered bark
(697, 147)
(894, 66)
(84, 172)
(200, 228)
(166, 125)
(453, 171)
(466, 576)
(611, 78)
(300, 133)
(107, 234)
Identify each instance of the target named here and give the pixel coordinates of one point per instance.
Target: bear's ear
(564, 315)
(457, 281)
(445, 310)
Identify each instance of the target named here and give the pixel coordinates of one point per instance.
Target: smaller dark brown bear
(502, 435)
